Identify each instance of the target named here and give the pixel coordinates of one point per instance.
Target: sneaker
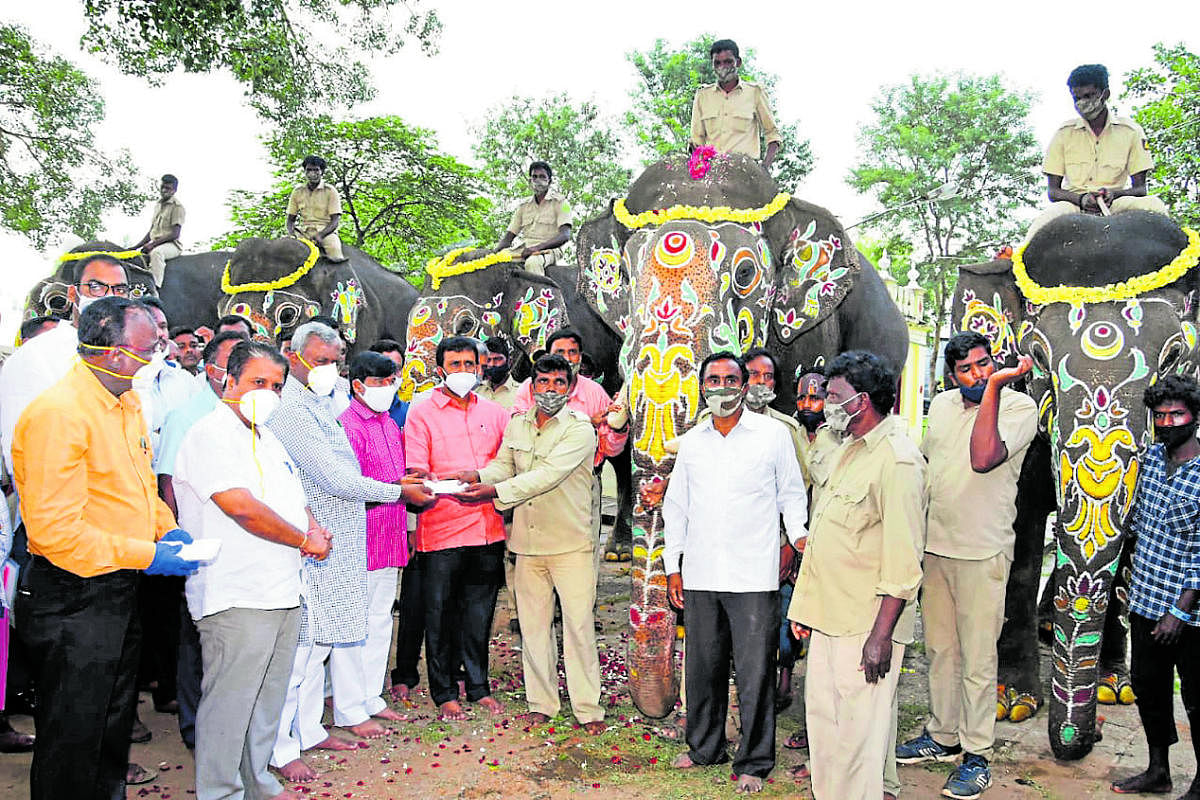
(924, 748)
(969, 779)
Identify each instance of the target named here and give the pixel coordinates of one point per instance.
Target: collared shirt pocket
(741, 121)
(1079, 173)
(522, 455)
(849, 507)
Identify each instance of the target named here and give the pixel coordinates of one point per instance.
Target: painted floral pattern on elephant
(433, 319)
(993, 321)
(817, 274)
(536, 315)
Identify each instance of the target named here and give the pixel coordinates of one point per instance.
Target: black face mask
(496, 375)
(811, 420)
(1174, 435)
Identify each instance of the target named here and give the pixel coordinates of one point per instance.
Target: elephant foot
(1114, 688)
(618, 551)
(1014, 705)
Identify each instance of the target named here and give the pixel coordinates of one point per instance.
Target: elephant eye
(287, 314)
(57, 302)
(746, 272)
(1169, 356)
(464, 323)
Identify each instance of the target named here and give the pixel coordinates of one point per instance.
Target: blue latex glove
(167, 561)
(177, 535)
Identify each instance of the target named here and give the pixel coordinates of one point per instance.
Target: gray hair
(310, 329)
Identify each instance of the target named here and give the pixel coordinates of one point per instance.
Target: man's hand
(415, 494)
(147, 247)
(787, 560)
(599, 418)
(177, 535)
(206, 333)
(675, 590)
(417, 473)
(876, 657)
(318, 544)
(477, 493)
(1168, 629)
(527, 252)
(652, 492)
(1087, 202)
(463, 476)
(1003, 377)
(801, 632)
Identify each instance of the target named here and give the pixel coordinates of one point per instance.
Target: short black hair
(960, 344)
(30, 327)
(1088, 75)
(866, 372)
(724, 44)
(82, 264)
(725, 355)
(180, 330)
(315, 161)
(587, 367)
(1173, 387)
(499, 346)
(564, 333)
(153, 302)
(247, 350)
(762, 352)
(326, 320)
(543, 165)
(371, 365)
(210, 349)
(455, 344)
(102, 324)
(170, 180)
(235, 319)
(551, 363)
(387, 346)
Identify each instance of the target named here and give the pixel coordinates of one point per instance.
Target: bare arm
(1138, 189)
(1054, 190)
(772, 149)
(166, 490)
(877, 650)
(257, 518)
(988, 450)
(172, 236)
(506, 241)
(291, 224)
(563, 236)
(334, 221)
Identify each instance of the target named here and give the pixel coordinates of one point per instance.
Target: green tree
(581, 146)
(54, 178)
(402, 201)
(290, 55)
(1168, 97)
(962, 131)
(661, 119)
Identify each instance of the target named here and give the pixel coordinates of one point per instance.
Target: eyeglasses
(102, 289)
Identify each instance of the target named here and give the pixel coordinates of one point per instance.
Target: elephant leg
(1045, 607)
(620, 542)
(1019, 686)
(1114, 686)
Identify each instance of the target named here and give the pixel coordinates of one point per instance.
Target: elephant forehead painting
(49, 295)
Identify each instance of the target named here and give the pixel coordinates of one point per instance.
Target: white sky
(831, 60)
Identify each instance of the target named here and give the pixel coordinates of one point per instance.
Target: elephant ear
(986, 300)
(603, 270)
(818, 266)
(537, 307)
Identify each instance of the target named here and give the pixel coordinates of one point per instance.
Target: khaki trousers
(537, 264)
(1062, 208)
(845, 716)
(537, 579)
(962, 603)
(331, 244)
(158, 260)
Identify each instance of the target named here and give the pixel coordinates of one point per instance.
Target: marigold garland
(120, 255)
(280, 283)
(1125, 290)
(702, 213)
(441, 268)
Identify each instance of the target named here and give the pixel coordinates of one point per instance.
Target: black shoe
(140, 734)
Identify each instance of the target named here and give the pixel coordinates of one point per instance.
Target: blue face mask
(973, 393)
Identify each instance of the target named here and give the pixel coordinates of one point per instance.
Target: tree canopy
(661, 119)
(968, 132)
(403, 201)
(1167, 94)
(291, 55)
(582, 147)
(56, 181)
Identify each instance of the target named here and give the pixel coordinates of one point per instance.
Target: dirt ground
(501, 757)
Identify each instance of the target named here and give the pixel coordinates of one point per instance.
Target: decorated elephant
(278, 284)
(1104, 306)
(704, 256)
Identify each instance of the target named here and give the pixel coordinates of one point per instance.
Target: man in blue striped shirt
(1163, 619)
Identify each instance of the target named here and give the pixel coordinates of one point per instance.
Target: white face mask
(759, 396)
(837, 417)
(258, 405)
(723, 402)
(322, 379)
(82, 301)
(378, 398)
(461, 383)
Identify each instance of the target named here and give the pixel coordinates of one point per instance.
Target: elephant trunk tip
(654, 702)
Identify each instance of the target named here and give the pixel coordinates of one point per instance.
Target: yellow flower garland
(702, 213)
(120, 255)
(1125, 290)
(441, 268)
(280, 283)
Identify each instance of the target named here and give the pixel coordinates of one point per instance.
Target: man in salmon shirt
(460, 546)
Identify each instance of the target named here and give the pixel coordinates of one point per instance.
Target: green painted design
(1102, 421)
(1065, 379)
(1069, 733)
(1088, 639)
(1060, 636)
(1060, 558)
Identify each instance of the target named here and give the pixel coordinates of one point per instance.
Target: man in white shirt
(236, 484)
(735, 473)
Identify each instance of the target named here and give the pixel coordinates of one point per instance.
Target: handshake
(463, 485)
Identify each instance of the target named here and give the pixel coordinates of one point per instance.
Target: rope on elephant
(444, 267)
(1125, 290)
(120, 255)
(280, 283)
(701, 213)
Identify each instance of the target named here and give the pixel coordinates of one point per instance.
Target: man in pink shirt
(460, 546)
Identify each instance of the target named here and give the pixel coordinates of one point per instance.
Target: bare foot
(683, 761)
(368, 730)
(334, 743)
(298, 772)
(400, 693)
(389, 714)
(800, 772)
(451, 710)
(595, 727)
(537, 718)
(287, 795)
(491, 704)
(1148, 782)
(749, 784)
(889, 796)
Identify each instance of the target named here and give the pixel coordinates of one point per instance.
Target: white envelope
(204, 550)
(445, 487)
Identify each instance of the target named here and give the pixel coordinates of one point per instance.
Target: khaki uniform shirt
(817, 460)
(546, 474)
(733, 122)
(866, 536)
(1088, 162)
(971, 514)
(534, 222)
(505, 394)
(166, 216)
(314, 208)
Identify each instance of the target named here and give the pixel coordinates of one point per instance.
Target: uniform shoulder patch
(579, 415)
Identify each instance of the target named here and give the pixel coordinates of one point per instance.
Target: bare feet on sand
(749, 784)
(370, 729)
(334, 743)
(683, 761)
(491, 704)
(401, 693)
(298, 772)
(451, 710)
(389, 714)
